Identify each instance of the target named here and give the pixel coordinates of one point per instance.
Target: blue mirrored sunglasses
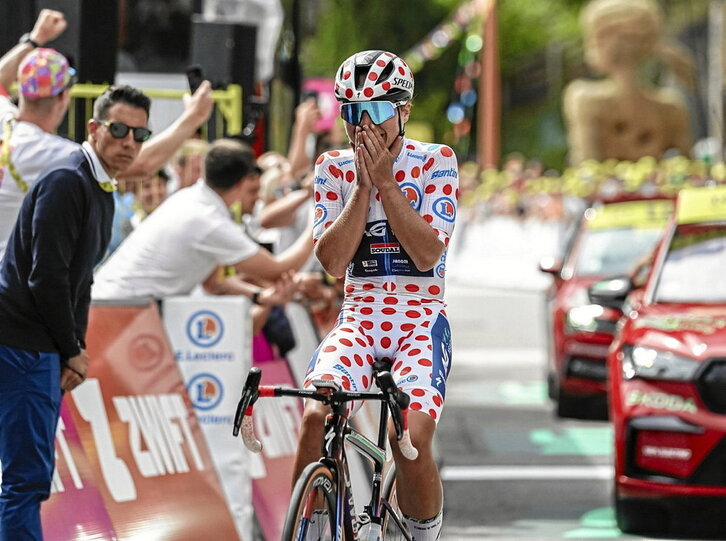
(379, 111)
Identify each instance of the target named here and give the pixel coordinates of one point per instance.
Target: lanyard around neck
(5, 160)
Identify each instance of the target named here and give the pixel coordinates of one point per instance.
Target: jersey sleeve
(328, 194)
(441, 192)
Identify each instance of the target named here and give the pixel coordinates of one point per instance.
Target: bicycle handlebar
(243, 415)
(396, 400)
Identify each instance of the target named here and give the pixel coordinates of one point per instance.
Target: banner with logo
(210, 336)
(140, 443)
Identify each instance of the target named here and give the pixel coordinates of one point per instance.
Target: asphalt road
(512, 471)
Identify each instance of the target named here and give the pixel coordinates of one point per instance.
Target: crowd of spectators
(148, 216)
(524, 190)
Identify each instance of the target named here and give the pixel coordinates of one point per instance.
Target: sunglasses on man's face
(119, 130)
(378, 111)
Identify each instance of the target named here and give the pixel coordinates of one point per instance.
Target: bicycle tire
(316, 479)
(393, 528)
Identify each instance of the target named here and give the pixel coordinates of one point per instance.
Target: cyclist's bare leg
(418, 485)
(309, 447)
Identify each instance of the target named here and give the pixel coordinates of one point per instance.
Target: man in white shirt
(192, 233)
(28, 145)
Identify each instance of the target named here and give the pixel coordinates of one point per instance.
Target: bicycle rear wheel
(311, 514)
(394, 529)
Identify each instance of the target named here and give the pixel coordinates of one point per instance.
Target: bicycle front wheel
(311, 515)
(394, 528)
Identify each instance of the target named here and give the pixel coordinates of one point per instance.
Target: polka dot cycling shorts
(416, 341)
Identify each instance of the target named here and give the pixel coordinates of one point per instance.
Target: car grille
(711, 385)
(593, 369)
(710, 472)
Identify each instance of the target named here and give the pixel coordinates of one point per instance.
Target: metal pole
(488, 123)
(715, 76)
(296, 78)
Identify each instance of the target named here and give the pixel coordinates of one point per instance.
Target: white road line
(506, 473)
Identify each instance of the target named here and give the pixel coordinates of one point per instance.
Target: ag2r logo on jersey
(205, 391)
(413, 194)
(205, 328)
(445, 209)
(320, 214)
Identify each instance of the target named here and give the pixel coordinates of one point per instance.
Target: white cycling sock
(425, 530)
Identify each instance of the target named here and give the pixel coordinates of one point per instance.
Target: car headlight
(643, 362)
(583, 318)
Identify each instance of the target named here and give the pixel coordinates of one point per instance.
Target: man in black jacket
(62, 232)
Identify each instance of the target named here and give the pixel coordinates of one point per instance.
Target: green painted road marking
(524, 393)
(506, 393)
(596, 524)
(587, 441)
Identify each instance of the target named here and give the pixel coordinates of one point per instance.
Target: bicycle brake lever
(250, 393)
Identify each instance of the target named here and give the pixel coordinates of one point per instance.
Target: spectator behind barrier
(43, 103)
(192, 233)
(187, 164)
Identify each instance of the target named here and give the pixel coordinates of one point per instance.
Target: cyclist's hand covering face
(375, 155)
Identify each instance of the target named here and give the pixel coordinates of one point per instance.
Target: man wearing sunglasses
(61, 233)
(385, 210)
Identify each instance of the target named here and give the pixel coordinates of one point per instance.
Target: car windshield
(609, 252)
(693, 268)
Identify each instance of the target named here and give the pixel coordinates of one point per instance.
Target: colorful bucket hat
(44, 73)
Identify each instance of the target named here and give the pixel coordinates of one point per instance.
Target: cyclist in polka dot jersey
(384, 213)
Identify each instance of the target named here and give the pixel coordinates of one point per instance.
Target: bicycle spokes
(314, 523)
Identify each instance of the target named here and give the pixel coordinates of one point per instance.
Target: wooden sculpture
(618, 117)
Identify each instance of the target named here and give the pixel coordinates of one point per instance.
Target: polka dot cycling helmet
(374, 76)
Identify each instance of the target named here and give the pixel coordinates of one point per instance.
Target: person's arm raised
(160, 148)
(49, 25)
(337, 245)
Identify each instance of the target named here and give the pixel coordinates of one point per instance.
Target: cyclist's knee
(314, 415)
(422, 428)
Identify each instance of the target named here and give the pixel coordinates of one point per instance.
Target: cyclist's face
(388, 130)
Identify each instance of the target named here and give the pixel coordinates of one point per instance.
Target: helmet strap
(401, 131)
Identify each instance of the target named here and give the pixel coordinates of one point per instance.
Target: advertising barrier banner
(75, 508)
(145, 451)
(210, 337)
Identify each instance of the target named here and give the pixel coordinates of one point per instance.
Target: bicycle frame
(336, 433)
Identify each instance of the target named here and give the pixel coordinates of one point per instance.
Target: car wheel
(640, 516)
(551, 386)
(581, 407)
(568, 405)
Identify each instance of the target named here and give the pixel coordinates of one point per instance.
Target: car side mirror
(610, 293)
(550, 265)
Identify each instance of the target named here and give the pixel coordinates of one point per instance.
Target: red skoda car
(667, 375)
(608, 241)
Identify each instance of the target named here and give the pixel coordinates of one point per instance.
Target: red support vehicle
(667, 378)
(610, 239)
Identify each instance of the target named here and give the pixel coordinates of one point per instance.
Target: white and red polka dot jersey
(381, 271)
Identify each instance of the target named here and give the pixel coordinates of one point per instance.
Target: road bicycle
(322, 506)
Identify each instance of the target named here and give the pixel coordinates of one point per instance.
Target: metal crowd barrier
(226, 120)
